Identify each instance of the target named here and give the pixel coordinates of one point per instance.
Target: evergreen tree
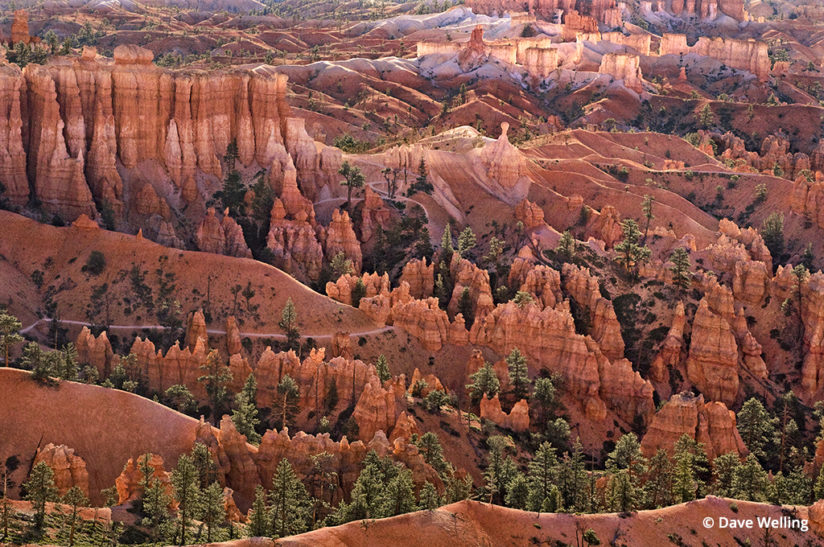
(681, 276)
(621, 493)
(517, 491)
(465, 307)
(466, 241)
(9, 334)
(446, 243)
(430, 448)
(340, 266)
(264, 199)
(518, 374)
(289, 324)
(358, 291)
(399, 494)
(187, 492)
(323, 479)
(421, 183)
(429, 497)
(259, 515)
(646, 208)
(631, 253)
(500, 469)
(627, 456)
(818, 488)
(216, 377)
(382, 367)
(233, 193)
(572, 478)
(288, 395)
(212, 512)
(40, 489)
(566, 246)
(659, 484)
(772, 231)
(353, 179)
(180, 398)
(542, 477)
(75, 499)
(547, 397)
(155, 505)
(706, 117)
(245, 417)
(522, 298)
(723, 471)
(484, 382)
(755, 426)
(690, 465)
(69, 368)
(204, 464)
(367, 494)
(749, 480)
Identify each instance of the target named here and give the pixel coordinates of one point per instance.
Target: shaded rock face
(598, 10)
(69, 469)
(606, 330)
(340, 238)
(96, 352)
(684, 414)
(294, 243)
(20, 27)
(750, 55)
(221, 236)
(712, 364)
(89, 130)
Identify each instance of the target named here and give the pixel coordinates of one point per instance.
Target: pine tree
(484, 382)
(706, 117)
(465, 307)
(723, 471)
(264, 199)
(681, 276)
(156, 508)
(216, 377)
(446, 242)
(212, 512)
(627, 456)
(245, 417)
(466, 241)
(622, 495)
(818, 488)
(517, 491)
(566, 246)
(772, 231)
(518, 374)
(358, 291)
(429, 497)
(522, 298)
(289, 324)
(204, 464)
(289, 502)
(9, 334)
(631, 253)
(259, 515)
(382, 367)
(288, 395)
(749, 480)
(572, 478)
(75, 499)
(39, 490)
(659, 484)
(690, 464)
(323, 479)
(500, 469)
(340, 266)
(187, 492)
(542, 476)
(755, 426)
(69, 365)
(430, 448)
(353, 179)
(399, 494)
(646, 208)
(547, 397)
